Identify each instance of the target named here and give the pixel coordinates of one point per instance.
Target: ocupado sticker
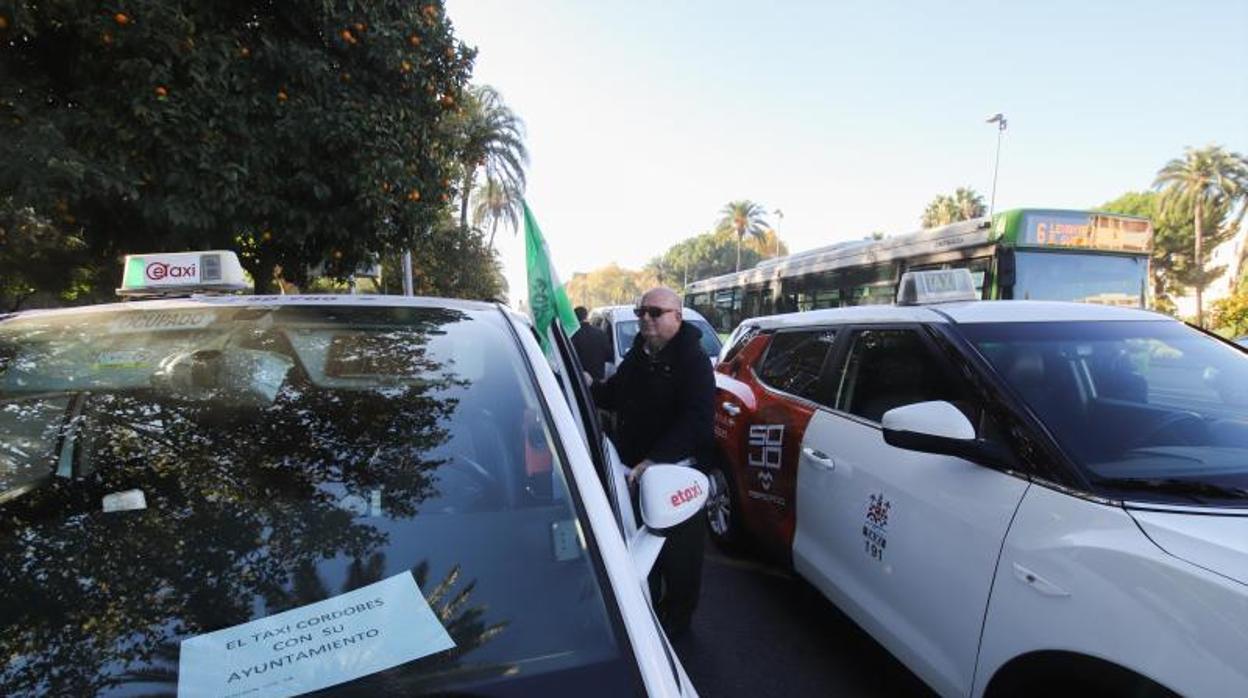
(305, 649)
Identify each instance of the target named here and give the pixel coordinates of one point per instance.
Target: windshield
(1134, 403)
(1083, 278)
(626, 332)
(223, 500)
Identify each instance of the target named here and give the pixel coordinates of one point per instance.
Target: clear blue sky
(645, 117)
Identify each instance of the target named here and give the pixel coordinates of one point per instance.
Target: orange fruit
(281, 95)
(413, 40)
(4, 22)
(121, 18)
(244, 52)
(347, 36)
(413, 195)
(161, 91)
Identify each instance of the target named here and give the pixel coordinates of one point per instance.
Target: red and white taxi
(1014, 498)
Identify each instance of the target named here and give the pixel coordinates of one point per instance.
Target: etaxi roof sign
(181, 273)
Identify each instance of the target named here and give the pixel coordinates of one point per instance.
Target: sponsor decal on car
(875, 526)
(766, 445)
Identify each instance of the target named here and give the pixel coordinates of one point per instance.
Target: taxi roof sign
(181, 273)
(936, 286)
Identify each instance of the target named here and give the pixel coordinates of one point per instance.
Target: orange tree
(301, 132)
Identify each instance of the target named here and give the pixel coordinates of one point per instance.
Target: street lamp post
(999, 120)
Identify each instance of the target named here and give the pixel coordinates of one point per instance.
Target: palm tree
(1203, 177)
(491, 137)
(743, 218)
(969, 203)
(965, 204)
(941, 211)
(497, 201)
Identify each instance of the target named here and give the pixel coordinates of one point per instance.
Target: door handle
(731, 408)
(819, 458)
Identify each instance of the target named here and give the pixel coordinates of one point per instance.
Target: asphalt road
(761, 631)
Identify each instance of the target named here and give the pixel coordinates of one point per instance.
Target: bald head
(659, 317)
(661, 297)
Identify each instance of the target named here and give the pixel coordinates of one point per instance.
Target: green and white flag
(547, 299)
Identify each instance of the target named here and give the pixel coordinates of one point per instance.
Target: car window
(1139, 401)
(625, 332)
(794, 361)
(709, 340)
(168, 476)
(738, 340)
(887, 368)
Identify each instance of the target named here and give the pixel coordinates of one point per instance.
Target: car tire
(723, 520)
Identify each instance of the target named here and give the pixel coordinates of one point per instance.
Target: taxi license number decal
(875, 527)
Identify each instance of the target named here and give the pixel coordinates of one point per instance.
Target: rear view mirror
(940, 428)
(670, 495)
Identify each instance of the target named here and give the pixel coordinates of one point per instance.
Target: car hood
(1216, 542)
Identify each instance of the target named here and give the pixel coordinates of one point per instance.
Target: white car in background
(1016, 498)
(274, 495)
(620, 324)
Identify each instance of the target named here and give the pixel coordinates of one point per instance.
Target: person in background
(591, 344)
(662, 394)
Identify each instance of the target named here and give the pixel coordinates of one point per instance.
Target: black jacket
(592, 348)
(664, 402)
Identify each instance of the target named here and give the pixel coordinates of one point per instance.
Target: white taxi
(1014, 498)
(364, 495)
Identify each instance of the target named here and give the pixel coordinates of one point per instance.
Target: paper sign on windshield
(311, 647)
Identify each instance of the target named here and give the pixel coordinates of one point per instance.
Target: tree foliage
(1204, 178)
(488, 136)
(742, 218)
(711, 254)
(1230, 315)
(304, 132)
(610, 285)
(963, 205)
(497, 201)
(1173, 264)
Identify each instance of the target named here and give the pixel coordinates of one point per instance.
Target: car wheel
(722, 518)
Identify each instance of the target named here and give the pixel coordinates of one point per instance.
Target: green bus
(1037, 254)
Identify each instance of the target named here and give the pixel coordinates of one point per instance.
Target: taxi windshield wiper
(1197, 490)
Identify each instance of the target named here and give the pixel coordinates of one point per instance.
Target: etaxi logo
(688, 494)
(158, 271)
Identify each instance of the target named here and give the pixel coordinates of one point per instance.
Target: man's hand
(589, 380)
(634, 475)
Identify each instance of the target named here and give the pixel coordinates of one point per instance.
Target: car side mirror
(669, 495)
(940, 428)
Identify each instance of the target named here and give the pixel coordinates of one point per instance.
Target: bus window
(874, 285)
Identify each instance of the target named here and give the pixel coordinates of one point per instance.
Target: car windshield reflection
(167, 474)
(1134, 403)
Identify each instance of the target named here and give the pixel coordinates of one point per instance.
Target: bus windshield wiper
(1197, 490)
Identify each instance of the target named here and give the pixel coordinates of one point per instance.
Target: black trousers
(676, 580)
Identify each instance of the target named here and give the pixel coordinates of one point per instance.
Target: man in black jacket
(663, 393)
(591, 345)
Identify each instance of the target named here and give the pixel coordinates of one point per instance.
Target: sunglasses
(654, 312)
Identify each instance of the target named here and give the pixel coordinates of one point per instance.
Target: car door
(905, 542)
(786, 385)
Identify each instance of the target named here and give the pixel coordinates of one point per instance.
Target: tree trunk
(1200, 266)
(493, 229)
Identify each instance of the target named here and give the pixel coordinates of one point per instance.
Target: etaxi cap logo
(158, 271)
(687, 494)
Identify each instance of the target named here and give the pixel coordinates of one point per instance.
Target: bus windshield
(1084, 278)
